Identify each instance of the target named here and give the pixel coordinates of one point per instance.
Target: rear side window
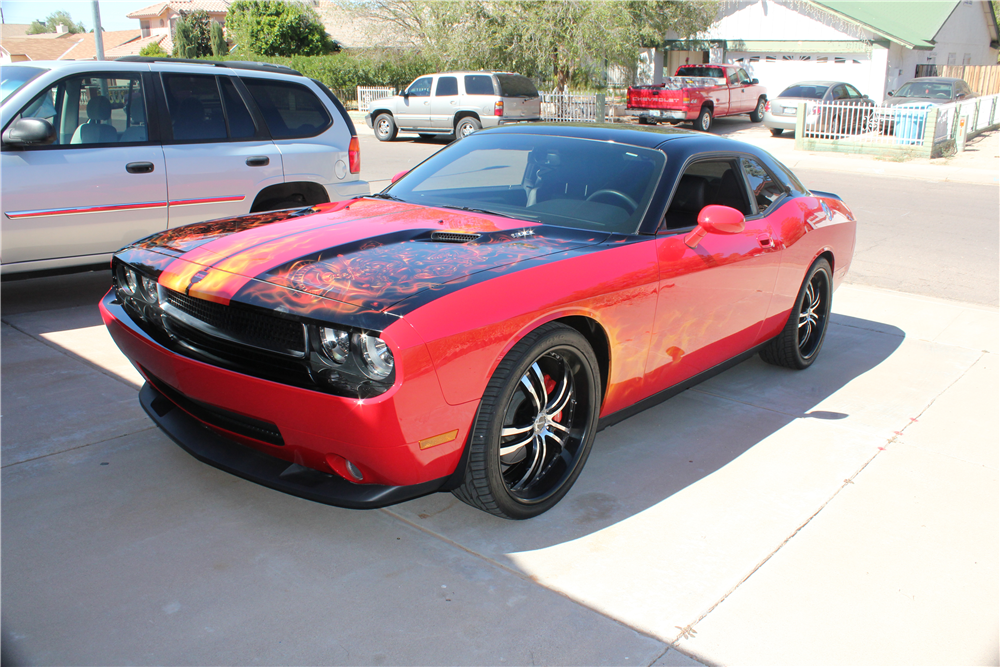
(515, 85)
(479, 84)
(446, 86)
(195, 106)
(290, 110)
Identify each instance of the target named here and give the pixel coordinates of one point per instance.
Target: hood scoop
(454, 237)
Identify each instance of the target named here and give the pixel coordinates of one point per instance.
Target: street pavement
(844, 515)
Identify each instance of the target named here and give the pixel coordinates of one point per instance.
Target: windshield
(927, 89)
(13, 77)
(806, 91)
(561, 181)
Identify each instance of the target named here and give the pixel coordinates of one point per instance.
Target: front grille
(242, 326)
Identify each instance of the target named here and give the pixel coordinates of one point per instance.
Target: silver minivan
(455, 103)
(96, 155)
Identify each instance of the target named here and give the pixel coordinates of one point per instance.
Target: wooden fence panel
(984, 79)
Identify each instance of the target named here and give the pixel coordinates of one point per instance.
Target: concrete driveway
(847, 514)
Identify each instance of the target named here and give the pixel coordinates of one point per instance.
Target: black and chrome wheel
(704, 122)
(385, 127)
(799, 343)
(757, 114)
(467, 126)
(535, 425)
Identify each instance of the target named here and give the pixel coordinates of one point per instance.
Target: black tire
(704, 121)
(644, 120)
(799, 343)
(467, 126)
(549, 435)
(426, 137)
(757, 114)
(776, 131)
(385, 127)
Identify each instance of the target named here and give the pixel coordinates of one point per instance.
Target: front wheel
(757, 114)
(798, 344)
(385, 127)
(704, 122)
(535, 425)
(467, 126)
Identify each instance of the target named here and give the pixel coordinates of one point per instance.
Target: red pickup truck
(699, 93)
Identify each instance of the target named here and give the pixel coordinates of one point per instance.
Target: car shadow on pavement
(660, 453)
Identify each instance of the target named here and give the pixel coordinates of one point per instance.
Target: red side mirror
(716, 220)
(399, 175)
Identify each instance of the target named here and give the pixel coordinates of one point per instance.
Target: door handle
(258, 161)
(139, 167)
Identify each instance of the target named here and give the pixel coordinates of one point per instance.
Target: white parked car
(455, 103)
(96, 155)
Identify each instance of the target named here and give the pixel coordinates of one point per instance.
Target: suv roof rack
(233, 64)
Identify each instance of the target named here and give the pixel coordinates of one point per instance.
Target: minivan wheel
(385, 127)
(467, 126)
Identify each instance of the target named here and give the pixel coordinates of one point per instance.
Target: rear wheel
(385, 127)
(776, 131)
(704, 122)
(757, 114)
(799, 343)
(426, 136)
(535, 425)
(467, 126)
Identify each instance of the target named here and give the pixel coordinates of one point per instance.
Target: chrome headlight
(128, 280)
(336, 344)
(149, 290)
(377, 355)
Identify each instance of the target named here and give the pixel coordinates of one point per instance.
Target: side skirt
(670, 392)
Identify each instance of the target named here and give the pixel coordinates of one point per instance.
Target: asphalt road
(917, 237)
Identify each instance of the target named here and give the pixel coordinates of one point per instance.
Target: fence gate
(368, 94)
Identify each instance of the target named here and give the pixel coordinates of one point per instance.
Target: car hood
(896, 101)
(365, 255)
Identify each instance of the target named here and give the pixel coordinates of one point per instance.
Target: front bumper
(271, 432)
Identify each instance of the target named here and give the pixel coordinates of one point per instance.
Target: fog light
(377, 356)
(336, 344)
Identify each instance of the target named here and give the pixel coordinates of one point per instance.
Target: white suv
(96, 155)
(455, 103)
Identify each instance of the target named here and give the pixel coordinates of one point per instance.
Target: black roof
(644, 136)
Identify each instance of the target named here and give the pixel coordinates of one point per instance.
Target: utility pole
(98, 37)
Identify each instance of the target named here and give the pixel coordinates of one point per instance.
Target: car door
(99, 186)
(713, 297)
(218, 158)
(444, 103)
(414, 108)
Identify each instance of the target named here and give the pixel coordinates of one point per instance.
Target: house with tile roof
(158, 21)
(67, 46)
(877, 46)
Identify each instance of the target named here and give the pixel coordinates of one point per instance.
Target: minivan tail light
(354, 155)
(498, 108)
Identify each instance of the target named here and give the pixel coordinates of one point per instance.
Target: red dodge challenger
(472, 327)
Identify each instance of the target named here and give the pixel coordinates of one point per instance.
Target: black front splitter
(215, 450)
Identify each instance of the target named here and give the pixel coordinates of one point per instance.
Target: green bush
(277, 27)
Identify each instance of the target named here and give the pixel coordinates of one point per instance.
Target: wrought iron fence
(368, 94)
(572, 107)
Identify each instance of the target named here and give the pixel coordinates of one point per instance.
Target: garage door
(777, 71)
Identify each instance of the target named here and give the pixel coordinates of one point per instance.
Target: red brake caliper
(550, 384)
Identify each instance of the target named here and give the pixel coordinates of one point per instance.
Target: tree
(549, 39)
(184, 46)
(56, 19)
(219, 47)
(194, 32)
(153, 50)
(277, 28)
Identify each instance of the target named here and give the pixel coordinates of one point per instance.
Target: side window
(744, 77)
(420, 88)
(93, 109)
(479, 84)
(195, 106)
(290, 110)
(853, 92)
(705, 183)
(446, 86)
(734, 79)
(838, 93)
(241, 125)
(765, 189)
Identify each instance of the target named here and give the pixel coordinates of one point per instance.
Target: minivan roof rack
(233, 64)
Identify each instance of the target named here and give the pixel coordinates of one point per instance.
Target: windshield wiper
(385, 195)
(483, 210)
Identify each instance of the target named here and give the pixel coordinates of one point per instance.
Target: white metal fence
(572, 107)
(368, 94)
(913, 127)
